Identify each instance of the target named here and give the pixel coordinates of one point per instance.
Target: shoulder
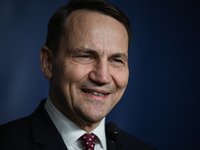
(13, 133)
(128, 141)
(14, 126)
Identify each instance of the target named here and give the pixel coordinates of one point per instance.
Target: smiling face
(89, 74)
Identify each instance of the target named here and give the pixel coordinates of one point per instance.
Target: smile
(94, 93)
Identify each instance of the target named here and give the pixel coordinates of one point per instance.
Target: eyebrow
(85, 50)
(120, 55)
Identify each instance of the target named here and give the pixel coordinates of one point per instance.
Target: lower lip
(94, 97)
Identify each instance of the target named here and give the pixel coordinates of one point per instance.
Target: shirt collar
(69, 131)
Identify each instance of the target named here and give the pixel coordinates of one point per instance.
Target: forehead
(87, 27)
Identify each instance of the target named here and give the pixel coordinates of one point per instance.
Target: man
(85, 59)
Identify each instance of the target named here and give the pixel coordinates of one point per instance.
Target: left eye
(117, 60)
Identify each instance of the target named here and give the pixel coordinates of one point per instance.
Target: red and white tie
(88, 141)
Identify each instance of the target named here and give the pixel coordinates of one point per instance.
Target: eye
(117, 60)
(85, 56)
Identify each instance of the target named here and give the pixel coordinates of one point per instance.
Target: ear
(46, 58)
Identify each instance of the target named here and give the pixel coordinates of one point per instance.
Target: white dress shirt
(70, 132)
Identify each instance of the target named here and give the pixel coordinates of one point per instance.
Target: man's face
(90, 71)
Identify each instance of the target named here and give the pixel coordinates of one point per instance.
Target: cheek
(121, 78)
(74, 72)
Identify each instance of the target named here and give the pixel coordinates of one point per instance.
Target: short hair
(56, 25)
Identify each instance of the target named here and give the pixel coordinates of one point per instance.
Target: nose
(100, 73)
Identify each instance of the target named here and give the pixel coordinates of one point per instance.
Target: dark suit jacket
(37, 132)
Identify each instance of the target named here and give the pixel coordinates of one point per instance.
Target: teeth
(98, 94)
(94, 93)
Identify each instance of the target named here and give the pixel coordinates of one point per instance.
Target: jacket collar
(43, 130)
(110, 145)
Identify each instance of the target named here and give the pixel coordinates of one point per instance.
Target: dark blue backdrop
(162, 102)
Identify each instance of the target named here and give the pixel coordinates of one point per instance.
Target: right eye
(84, 56)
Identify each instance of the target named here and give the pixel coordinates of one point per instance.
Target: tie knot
(88, 141)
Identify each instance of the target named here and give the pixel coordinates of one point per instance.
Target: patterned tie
(88, 141)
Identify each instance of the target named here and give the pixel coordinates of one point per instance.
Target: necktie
(88, 141)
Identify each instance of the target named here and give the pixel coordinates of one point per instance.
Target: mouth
(94, 93)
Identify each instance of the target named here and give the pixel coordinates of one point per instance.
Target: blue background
(162, 102)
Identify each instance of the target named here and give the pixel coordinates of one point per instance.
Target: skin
(93, 58)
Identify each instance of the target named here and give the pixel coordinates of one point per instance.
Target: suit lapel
(110, 145)
(45, 134)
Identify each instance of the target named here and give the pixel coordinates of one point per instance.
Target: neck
(84, 124)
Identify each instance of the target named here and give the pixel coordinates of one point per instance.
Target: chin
(91, 119)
